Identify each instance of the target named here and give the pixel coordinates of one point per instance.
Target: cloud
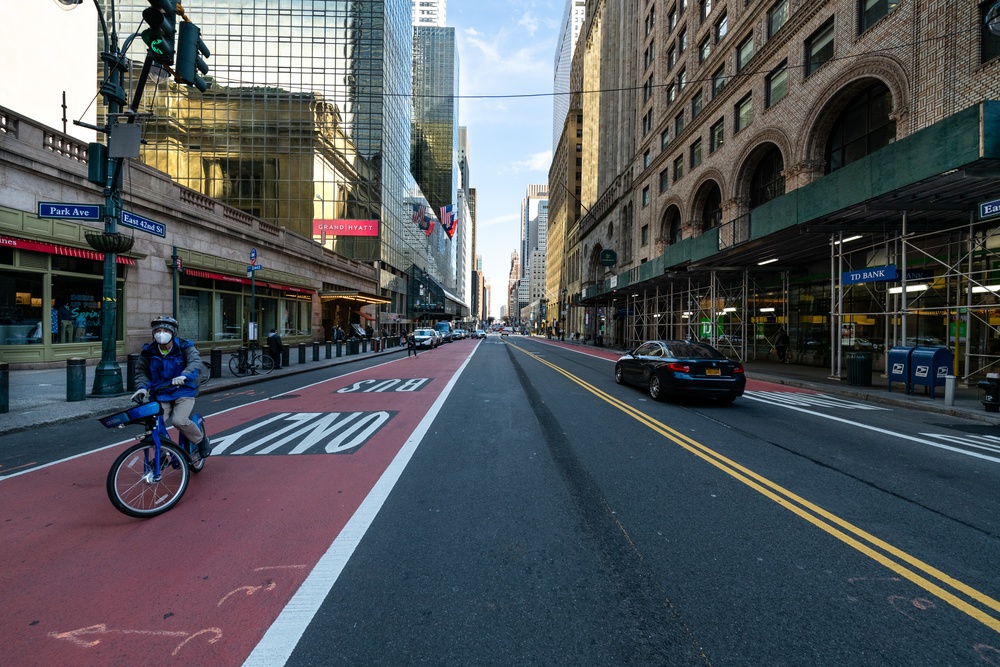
(529, 22)
(535, 162)
(499, 220)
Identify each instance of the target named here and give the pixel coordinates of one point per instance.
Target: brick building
(736, 149)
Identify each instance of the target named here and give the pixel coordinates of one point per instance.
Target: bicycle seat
(133, 415)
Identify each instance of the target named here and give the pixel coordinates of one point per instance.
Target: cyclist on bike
(172, 365)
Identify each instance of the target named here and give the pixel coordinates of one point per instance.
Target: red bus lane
(200, 585)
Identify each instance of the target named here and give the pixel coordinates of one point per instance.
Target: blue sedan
(672, 368)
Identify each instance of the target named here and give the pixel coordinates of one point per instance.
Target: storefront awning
(351, 295)
(240, 280)
(54, 249)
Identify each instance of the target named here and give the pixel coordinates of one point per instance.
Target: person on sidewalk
(411, 344)
(274, 347)
(781, 345)
(172, 365)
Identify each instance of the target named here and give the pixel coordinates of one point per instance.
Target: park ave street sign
(69, 211)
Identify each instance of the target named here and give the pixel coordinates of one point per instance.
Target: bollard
(76, 379)
(949, 390)
(284, 356)
(302, 353)
(133, 360)
(329, 349)
(315, 350)
(4, 387)
(216, 363)
(338, 348)
(364, 344)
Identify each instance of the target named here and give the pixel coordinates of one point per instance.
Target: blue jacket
(155, 370)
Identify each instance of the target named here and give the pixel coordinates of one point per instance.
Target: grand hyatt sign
(326, 228)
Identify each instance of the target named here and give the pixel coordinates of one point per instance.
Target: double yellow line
(920, 573)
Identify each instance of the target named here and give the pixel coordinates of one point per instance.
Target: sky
(506, 49)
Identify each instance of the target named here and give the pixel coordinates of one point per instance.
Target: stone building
(737, 148)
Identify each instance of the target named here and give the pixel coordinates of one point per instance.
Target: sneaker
(205, 447)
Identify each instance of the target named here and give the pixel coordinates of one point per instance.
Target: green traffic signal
(161, 16)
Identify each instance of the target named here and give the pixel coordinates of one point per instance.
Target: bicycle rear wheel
(134, 488)
(236, 368)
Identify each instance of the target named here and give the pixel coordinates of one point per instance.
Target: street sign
(255, 267)
(69, 211)
(989, 209)
(253, 256)
(134, 221)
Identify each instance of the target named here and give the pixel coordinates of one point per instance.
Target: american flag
(448, 220)
(429, 222)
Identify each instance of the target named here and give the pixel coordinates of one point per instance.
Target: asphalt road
(546, 516)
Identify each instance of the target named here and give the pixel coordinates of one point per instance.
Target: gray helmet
(165, 323)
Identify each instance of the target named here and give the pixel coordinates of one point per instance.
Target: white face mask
(162, 337)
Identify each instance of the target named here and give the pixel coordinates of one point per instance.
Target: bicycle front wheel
(266, 364)
(136, 490)
(236, 368)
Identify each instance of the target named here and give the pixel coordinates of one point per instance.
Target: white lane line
(876, 429)
(284, 634)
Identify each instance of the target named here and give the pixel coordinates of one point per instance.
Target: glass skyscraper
(305, 124)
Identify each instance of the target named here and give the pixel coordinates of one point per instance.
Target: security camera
(68, 4)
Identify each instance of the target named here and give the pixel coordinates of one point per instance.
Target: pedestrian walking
(411, 344)
(781, 345)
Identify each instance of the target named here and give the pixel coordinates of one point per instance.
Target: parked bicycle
(252, 362)
(150, 476)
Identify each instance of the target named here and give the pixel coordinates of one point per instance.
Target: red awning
(54, 249)
(198, 273)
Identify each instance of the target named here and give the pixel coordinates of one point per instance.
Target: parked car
(426, 338)
(672, 368)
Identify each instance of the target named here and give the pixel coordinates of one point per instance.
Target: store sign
(608, 258)
(872, 274)
(325, 228)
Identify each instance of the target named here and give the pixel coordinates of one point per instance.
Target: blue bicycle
(150, 476)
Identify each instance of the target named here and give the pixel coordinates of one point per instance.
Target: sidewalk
(38, 397)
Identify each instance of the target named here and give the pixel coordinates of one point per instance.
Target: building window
(671, 58)
(645, 160)
(664, 180)
(679, 124)
(743, 112)
(696, 153)
(650, 20)
(819, 47)
(682, 5)
(664, 139)
(706, 9)
(704, 49)
(744, 52)
(870, 11)
(671, 20)
(989, 43)
(696, 105)
(768, 180)
(777, 16)
(649, 55)
(721, 27)
(645, 196)
(776, 84)
(671, 93)
(711, 212)
(862, 128)
(682, 79)
(718, 81)
(644, 235)
(678, 168)
(717, 135)
(682, 41)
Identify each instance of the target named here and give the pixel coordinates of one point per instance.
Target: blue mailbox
(897, 366)
(929, 366)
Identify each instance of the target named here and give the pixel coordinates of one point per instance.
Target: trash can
(353, 346)
(859, 369)
(989, 392)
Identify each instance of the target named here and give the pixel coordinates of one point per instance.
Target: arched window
(670, 226)
(863, 127)
(767, 181)
(711, 212)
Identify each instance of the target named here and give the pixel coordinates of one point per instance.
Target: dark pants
(411, 348)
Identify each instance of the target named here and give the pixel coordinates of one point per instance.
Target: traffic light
(161, 16)
(189, 62)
